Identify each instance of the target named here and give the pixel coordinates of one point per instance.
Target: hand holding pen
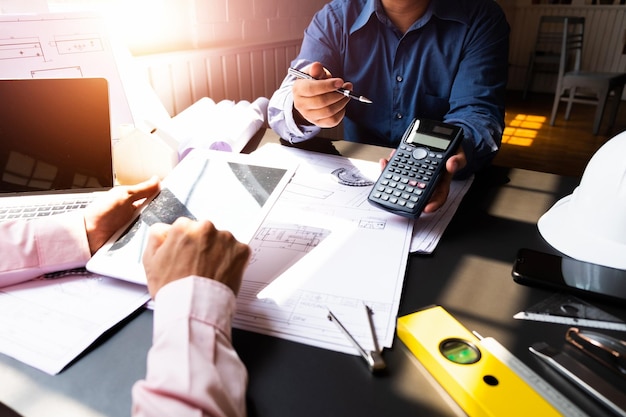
(299, 74)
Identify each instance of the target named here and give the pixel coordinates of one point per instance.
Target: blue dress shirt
(450, 65)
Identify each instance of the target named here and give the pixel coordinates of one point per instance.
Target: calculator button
(420, 153)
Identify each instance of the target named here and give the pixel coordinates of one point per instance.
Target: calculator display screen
(430, 141)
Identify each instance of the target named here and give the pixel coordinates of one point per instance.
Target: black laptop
(55, 144)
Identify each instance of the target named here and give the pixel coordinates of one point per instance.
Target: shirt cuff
(282, 121)
(62, 241)
(202, 299)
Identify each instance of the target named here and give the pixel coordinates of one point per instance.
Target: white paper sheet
(429, 228)
(47, 323)
(224, 126)
(323, 246)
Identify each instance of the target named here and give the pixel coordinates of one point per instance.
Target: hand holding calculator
(409, 179)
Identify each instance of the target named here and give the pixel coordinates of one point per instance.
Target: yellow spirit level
(477, 380)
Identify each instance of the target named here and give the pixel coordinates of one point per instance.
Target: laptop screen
(54, 135)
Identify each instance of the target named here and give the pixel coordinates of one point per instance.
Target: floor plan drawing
(63, 46)
(319, 249)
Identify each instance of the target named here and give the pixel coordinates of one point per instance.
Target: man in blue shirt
(433, 59)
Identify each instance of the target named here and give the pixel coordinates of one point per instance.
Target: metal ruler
(598, 324)
(570, 310)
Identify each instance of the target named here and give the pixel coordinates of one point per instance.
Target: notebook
(55, 145)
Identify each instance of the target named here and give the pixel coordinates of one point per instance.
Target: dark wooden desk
(469, 274)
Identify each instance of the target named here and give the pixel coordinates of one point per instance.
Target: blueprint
(71, 45)
(324, 247)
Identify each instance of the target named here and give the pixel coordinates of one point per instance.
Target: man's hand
(113, 209)
(189, 247)
(440, 194)
(316, 101)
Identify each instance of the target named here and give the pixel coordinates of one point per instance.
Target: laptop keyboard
(43, 209)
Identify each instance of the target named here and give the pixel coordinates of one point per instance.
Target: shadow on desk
(469, 274)
(8, 412)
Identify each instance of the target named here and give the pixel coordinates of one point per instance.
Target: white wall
(150, 26)
(222, 23)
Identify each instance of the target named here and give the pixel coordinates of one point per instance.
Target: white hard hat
(590, 224)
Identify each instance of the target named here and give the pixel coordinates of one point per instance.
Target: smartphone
(546, 270)
(407, 182)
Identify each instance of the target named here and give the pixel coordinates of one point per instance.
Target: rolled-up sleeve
(280, 112)
(193, 369)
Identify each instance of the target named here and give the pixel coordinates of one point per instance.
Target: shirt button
(399, 78)
(398, 115)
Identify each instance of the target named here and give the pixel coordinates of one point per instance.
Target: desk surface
(469, 274)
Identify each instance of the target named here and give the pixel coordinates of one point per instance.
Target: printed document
(47, 323)
(323, 246)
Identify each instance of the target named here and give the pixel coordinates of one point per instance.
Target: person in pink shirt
(194, 272)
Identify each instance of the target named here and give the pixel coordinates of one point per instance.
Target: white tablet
(234, 191)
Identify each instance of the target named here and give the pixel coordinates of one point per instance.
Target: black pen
(347, 93)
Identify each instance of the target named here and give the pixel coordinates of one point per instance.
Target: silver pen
(347, 93)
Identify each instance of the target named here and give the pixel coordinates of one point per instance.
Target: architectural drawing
(63, 46)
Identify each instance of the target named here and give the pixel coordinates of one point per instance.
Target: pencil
(343, 91)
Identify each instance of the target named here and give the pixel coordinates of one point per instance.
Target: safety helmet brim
(559, 229)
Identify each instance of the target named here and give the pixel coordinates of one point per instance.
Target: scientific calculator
(407, 182)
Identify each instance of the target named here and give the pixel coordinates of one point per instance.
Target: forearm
(482, 139)
(478, 93)
(192, 366)
(32, 248)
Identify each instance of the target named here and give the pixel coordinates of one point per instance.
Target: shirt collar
(371, 7)
(450, 10)
(443, 9)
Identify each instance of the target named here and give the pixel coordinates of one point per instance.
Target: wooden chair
(546, 54)
(586, 87)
